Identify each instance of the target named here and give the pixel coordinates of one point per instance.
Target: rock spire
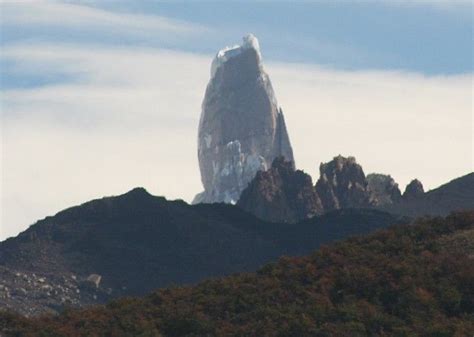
(242, 128)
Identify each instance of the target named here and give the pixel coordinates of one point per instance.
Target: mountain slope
(411, 280)
(137, 242)
(458, 194)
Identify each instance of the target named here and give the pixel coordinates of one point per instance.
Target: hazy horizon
(100, 98)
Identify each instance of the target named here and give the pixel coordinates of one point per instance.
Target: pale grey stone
(242, 129)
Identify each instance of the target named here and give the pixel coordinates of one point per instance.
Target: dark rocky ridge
(414, 190)
(288, 197)
(281, 194)
(138, 242)
(458, 194)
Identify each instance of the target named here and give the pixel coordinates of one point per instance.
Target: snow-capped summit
(249, 42)
(241, 129)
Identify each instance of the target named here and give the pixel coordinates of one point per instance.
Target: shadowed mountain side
(138, 242)
(305, 236)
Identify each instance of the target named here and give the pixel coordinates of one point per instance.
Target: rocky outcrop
(383, 189)
(281, 194)
(342, 184)
(241, 129)
(284, 194)
(94, 280)
(32, 293)
(414, 190)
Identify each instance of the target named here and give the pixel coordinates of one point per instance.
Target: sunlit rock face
(281, 194)
(241, 129)
(383, 188)
(343, 184)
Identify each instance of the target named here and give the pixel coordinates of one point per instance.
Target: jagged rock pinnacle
(383, 188)
(242, 128)
(342, 184)
(281, 194)
(414, 190)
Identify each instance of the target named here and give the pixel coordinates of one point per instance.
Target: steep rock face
(342, 184)
(241, 129)
(414, 190)
(384, 190)
(281, 194)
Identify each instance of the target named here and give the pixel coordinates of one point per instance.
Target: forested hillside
(409, 280)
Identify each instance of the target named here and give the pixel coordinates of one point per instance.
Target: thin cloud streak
(67, 15)
(439, 4)
(404, 124)
(130, 119)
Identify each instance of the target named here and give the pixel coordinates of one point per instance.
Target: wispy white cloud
(404, 124)
(129, 118)
(435, 3)
(459, 8)
(130, 121)
(125, 80)
(86, 18)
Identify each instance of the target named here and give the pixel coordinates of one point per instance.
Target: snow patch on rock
(249, 42)
(208, 140)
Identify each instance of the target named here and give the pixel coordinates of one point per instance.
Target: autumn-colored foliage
(410, 280)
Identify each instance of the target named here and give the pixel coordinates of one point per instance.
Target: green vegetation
(411, 280)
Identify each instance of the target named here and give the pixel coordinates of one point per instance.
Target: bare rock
(414, 190)
(241, 129)
(342, 184)
(383, 188)
(94, 279)
(281, 194)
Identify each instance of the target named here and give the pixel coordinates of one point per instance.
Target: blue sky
(427, 37)
(100, 97)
